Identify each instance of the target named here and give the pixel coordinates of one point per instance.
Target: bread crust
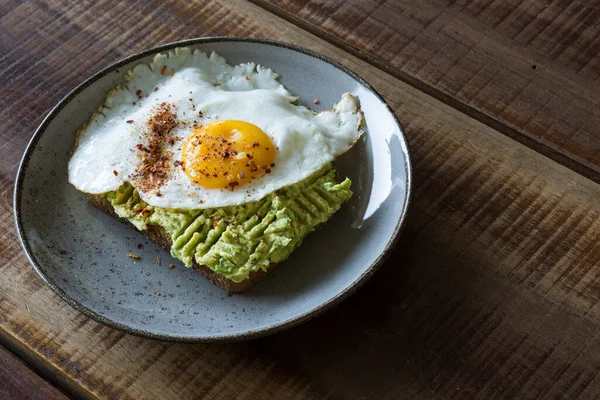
(159, 236)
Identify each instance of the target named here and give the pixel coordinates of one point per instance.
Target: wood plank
(17, 382)
(493, 291)
(528, 68)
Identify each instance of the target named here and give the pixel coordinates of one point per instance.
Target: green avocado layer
(236, 240)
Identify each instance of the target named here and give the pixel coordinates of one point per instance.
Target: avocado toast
(234, 246)
(218, 164)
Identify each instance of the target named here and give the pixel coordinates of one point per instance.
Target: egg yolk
(227, 154)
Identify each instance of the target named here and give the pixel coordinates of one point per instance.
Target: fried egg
(189, 131)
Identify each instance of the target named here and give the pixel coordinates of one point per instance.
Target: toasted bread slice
(158, 235)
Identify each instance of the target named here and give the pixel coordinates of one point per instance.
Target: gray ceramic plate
(81, 252)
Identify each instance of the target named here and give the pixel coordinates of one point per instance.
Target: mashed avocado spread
(236, 240)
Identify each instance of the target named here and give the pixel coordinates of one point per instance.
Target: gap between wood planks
(19, 381)
(494, 123)
(44, 368)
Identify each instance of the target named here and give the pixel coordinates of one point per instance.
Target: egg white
(106, 154)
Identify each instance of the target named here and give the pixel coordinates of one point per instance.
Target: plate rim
(246, 335)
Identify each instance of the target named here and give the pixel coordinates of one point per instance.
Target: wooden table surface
(494, 289)
(19, 382)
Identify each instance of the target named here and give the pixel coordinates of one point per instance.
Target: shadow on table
(409, 330)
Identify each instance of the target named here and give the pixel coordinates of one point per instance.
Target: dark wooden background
(494, 289)
(17, 381)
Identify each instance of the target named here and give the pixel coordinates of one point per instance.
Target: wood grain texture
(528, 68)
(17, 382)
(492, 293)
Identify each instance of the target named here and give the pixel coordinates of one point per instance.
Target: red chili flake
(138, 92)
(255, 144)
(171, 266)
(268, 171)
(247, 78)
(115, 172)
(156, 89)
(272, 165)
(200, 114)
(316, 101)
(130, 121)
(140, 246)
(152, 171)
(163, 70)
(233, 184)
